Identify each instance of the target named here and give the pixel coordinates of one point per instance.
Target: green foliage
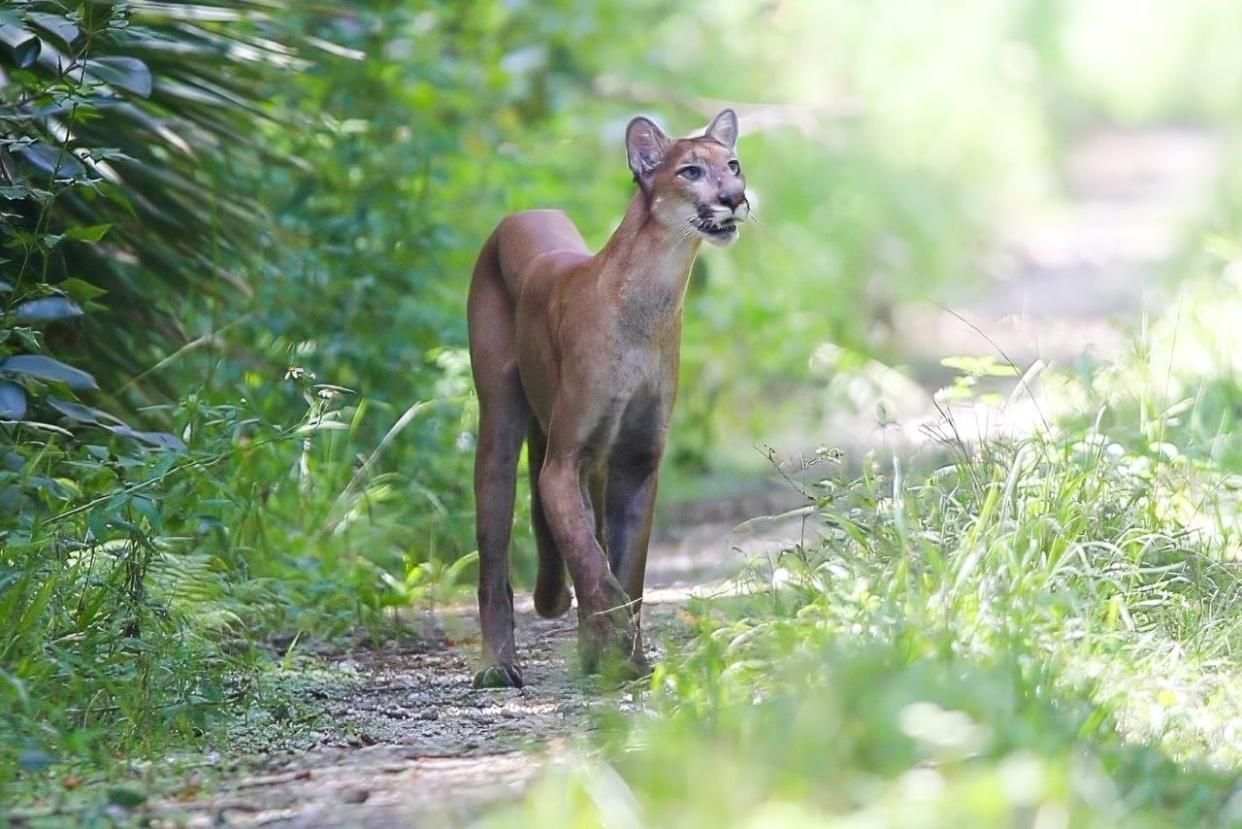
(1029, 634)
(116, 119)
(118, 589)
(123, 580)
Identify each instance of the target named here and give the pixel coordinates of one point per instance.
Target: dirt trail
(411, 743)
(1066, 277)
(1067, 285)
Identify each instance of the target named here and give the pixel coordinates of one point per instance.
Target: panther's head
(693, 185)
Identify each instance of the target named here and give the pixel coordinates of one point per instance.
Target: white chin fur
(722, 241)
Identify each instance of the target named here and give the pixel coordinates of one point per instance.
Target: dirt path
(1066, 286)
(1065, 278)
(409, 742)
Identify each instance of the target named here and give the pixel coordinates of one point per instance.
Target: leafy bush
(118, 120)
(115, 586)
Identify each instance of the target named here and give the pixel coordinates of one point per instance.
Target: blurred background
(252, 224)
(1045, 170)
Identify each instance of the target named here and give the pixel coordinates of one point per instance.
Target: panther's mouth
(716, 230)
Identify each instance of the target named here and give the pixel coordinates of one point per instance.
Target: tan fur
(578, 355)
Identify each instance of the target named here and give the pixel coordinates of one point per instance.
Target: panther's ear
(723, 128)
(645, 145)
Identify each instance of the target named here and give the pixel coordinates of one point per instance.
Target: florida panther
(577, 355)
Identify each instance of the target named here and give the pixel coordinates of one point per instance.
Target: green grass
(1040, 633)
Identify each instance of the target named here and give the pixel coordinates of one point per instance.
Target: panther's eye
(734, 167)
(691, 172)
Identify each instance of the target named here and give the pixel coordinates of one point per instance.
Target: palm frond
(132, 116)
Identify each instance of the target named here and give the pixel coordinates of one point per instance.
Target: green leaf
(160, 440)
(454, 570)
(5, 287)
(93, 233)
(126, 73)
(17, 687)
(56, 25)
(47, 309)
(20, 46)
(51, 160)
(45, 368)
(17, 192)
(117, 195)
(12, 401)
(84, 414)
(96, 417)
(81, 290)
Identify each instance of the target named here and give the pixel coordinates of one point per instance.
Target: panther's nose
(732, 200)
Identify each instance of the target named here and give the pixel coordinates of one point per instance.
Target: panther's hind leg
(503, 418)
